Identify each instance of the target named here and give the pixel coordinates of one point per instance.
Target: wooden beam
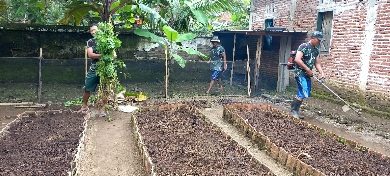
(277, 34)
(283, 72)
(234, 52)
(257, 66)
(248, 68)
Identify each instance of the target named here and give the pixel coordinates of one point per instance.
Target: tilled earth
(42, 144)
(181, 142)
(320, 151)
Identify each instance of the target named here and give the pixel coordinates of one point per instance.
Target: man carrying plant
(92, 80)
(218, 57)
(305, 59)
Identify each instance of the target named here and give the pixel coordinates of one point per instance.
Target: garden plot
(178, 140)
(41, 143)
(304, 148)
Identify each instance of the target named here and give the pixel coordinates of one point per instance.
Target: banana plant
(104, 9)
(173, 39)
(179, 14)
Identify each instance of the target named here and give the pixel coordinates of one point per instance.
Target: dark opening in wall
(267, 41)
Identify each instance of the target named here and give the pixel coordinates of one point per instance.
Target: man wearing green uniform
(306, 59)
(217, 63)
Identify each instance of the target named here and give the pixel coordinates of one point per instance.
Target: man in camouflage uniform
(305, 59)
(217, 63)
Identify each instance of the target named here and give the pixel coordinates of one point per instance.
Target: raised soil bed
(302, 147)
(41, 143)
(178, 140)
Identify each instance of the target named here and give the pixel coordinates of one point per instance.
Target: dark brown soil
(320, 151)
(41, 145)
(191, 102)
(181, 142)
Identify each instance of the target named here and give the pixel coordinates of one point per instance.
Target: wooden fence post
(234, 52)
(86, 61)
(248, 68)
(39, 90)
(257, 65)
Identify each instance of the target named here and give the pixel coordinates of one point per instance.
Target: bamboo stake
(86, 61)
(31, 106)
(39, 91)
(166, 72)
(234, 52)
(13, 104)
(248, 70)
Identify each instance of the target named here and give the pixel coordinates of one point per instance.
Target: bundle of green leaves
(107, 42)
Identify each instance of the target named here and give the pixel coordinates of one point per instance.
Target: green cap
(318, 35)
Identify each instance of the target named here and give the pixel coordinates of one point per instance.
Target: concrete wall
(67, 42)
(357, 63)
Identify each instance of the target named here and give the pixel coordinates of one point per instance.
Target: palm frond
(218, 6)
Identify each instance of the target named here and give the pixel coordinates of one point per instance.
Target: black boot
(295, 105)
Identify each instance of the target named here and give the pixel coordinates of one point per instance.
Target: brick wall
(268, 74)
(258, 9)
(305, 17)
(268, 9)
(379, 79)
(358, 64)
(282, 11)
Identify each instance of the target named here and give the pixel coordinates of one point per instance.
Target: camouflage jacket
(309, 57)
(216, 59)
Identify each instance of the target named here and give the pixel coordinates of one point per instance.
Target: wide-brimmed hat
(317, 34)
(215, 39)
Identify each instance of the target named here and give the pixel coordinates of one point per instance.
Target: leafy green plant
(107, 42)
(32, 11)
(79, 101)
(173, 38)
(80, 9)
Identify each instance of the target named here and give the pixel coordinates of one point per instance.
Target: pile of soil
(318, 150)
(41, 145)
(181, 142)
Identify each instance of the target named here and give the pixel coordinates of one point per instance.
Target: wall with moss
(68, 42)
(57, 42)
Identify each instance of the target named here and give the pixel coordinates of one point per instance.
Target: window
(270, 8)
(324, 24)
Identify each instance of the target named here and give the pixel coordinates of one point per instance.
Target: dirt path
(110, 148)
(215, 115)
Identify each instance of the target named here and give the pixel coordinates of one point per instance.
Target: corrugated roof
(262, 32)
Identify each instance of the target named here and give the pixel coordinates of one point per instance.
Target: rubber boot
(295, 105)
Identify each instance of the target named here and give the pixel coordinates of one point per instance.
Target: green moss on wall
(57, 42)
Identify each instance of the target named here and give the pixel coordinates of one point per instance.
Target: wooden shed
(263, 51)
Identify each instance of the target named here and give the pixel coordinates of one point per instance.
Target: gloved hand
(309, 73)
